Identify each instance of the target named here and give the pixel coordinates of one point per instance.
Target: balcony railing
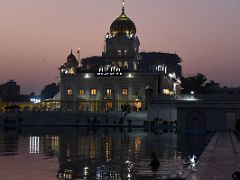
(108, 97)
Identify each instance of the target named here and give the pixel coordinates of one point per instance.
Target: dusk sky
(37, 36)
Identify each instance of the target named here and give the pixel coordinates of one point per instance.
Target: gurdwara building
(122, 78)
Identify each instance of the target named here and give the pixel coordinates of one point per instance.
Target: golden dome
(123, 25)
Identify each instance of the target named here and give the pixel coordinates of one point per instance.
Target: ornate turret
(71, 59)
(70, 66)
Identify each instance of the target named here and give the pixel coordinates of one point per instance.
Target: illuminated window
(159, 68)
(69, 92)
(124, 91)
(167, 92)
(119, 52)
(125, 52)
(81, 92)
(109, 92)
(93, 92)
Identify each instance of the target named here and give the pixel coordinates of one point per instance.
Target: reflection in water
(9, 143)
(84, 153)
(34, 145)
(51, 145)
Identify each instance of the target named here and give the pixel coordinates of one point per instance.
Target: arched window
(119, 52)
(69, 92)
(109, 92)
(93, 91)
(134, 66)
(125, 64)
(119, 63)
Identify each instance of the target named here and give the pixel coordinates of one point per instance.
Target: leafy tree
(49, 91)
(193, 83)
(211, 87)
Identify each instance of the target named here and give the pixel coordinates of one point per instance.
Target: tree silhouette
(193, 83)
(49, 91)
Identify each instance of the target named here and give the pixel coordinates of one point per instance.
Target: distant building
(230, 91)
(9, 90)
(120, 79)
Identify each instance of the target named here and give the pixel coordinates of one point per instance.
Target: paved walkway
(219, 160)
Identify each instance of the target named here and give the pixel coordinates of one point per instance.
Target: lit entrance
(109, 106)
(137, 106)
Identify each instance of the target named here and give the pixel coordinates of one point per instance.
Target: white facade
(122, 78)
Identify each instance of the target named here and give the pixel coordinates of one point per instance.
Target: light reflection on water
(83, 153)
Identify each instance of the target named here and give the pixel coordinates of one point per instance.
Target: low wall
(166, 112)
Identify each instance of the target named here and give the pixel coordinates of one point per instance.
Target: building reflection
(192, 144)
(100, 153)
(137, 145)
(51, 145)
(34, 144)
(9, 143)
(85, 153)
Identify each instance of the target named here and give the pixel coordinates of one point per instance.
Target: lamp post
(192, 94)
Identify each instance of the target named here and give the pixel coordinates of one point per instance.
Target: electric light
(130, 75)
(35, 100)
(87, 76)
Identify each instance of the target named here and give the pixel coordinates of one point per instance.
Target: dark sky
(37, 36)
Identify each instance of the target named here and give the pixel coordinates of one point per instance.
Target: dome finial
(123, 5)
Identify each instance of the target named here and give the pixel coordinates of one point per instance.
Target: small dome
(72, 59)
(122, 26)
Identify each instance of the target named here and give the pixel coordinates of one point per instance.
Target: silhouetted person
(155, 163)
